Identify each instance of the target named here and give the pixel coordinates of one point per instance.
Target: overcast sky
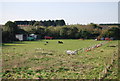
(72, 12)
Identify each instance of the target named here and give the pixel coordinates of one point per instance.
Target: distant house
(48, 37)
(21, 37)
(24, 37)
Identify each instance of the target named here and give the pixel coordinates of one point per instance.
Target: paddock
(33, 59)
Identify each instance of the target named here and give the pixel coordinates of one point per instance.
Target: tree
(45, 23)
(11, 27)
(95, 26)
(95, 33)
(33, 30)
(5, 36)
(74, 32)
(49, 23)
(85, 34)
(40, 32)
(60, 22)
(31, 22)
(9, 31)
(37, 23)
(42, 23)
(112, 32)
(79, 34)
(53, 23)
(64, 32)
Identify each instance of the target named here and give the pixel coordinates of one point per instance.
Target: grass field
(34, 60)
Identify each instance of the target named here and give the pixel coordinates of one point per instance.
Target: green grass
(25, 60)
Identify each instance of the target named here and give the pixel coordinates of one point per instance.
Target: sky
(72, 12)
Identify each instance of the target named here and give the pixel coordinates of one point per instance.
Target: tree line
(90, 31)
(42, 23)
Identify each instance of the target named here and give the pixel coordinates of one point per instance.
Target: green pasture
(37, 59)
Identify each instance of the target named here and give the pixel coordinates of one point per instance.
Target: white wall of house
(20, 37)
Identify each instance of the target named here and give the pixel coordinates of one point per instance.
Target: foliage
(9, 31)
(42, 23)
(58, 29)
(112, 32)
(75, 31)
(11, 27)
